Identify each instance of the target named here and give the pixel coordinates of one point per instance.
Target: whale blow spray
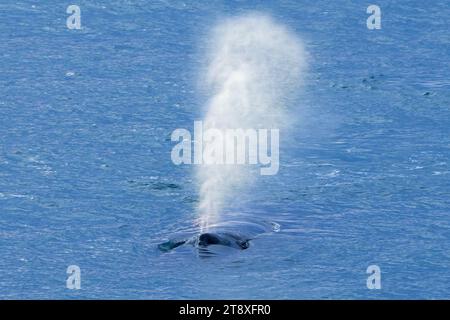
(253, 72)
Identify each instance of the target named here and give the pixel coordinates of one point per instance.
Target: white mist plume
(255, 65)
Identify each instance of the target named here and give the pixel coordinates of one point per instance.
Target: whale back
(224, 235)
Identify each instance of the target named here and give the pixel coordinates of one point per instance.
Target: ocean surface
(86, 176)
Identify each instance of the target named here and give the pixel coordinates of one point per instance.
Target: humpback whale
(204, 240)
(225, 235)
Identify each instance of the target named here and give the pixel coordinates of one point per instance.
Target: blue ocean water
(86, 177)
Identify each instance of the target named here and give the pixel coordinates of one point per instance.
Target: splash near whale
(252, 73)
(254, 70)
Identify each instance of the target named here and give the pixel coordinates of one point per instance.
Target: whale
(206, 239)
(231, 234)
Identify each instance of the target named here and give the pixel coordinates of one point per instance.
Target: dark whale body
(224, 239)
(207, 239)
(224, 236)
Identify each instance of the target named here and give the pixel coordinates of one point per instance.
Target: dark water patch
(153, 185)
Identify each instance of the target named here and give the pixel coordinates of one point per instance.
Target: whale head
(224, 239)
